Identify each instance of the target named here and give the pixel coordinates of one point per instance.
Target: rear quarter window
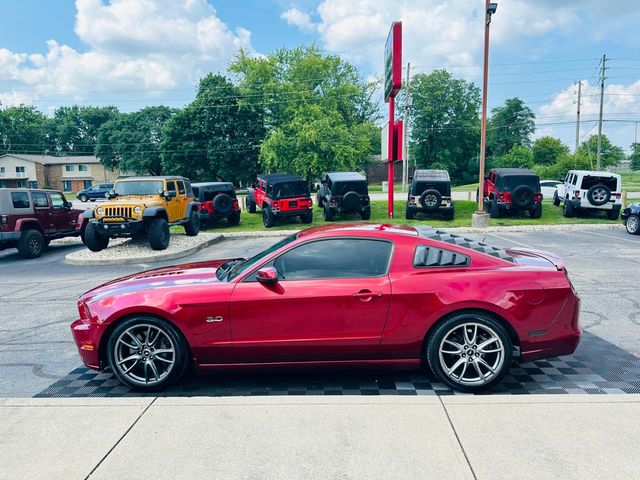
(427, 256)
(20, 199)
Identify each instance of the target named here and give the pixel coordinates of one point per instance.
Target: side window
(181, 188)
(171, 186)
(57, 200)
(427, 256)
(336, 258)
(40, 199)
(20, 199)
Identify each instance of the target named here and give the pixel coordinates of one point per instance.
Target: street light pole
(480, 218)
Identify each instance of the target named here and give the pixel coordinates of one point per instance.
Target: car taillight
(537, 197)
(576, 193)
(4, 219)
(618, 195)
(236, 206)
(505, 196)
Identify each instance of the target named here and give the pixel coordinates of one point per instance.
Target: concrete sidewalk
(484, 437)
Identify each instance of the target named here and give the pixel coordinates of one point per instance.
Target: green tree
(317, 112)
(548, 150)
(445, 124)
(509, 125)
(23, 129)
(133, 141)
(634, 158)
(517, 157)
(216, 137)
(74, 130)
(611, 154)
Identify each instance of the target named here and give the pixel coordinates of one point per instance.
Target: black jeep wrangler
(216, 200)
(430, 193)
(344, 192)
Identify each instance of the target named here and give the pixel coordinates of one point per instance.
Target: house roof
(51, 160)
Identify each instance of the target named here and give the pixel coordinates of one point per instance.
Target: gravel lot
(38, 296)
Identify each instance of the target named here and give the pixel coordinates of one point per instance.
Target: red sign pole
(390, 170)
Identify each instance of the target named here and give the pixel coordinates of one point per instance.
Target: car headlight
(100, 211)
(137, 210)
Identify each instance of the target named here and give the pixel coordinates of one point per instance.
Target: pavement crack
(115, 445)
(36, 368)
(466, 457)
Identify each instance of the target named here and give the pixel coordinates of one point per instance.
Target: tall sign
(392, 84)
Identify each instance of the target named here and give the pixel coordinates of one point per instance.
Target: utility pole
(405, 130)
(635, 138)
(599, 151)
(578, 118)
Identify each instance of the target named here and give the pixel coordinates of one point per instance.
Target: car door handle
(366, 295)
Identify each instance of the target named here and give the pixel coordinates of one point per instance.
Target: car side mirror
(110, 194)
(267, 275)
(170, 194)
(68, 205)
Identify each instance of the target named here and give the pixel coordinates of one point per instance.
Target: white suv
(584, 190)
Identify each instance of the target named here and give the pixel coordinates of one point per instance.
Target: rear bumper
(585, 205)
(119, 229)
(291, 213)
(207, 216)
(419, 209)
(9, 237)
(510, 207)
(87, 340)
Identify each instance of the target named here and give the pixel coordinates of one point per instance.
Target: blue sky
(133, 53)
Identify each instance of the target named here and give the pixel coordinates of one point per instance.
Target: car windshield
(610, 182)
(139, 187)
(341, 188)
(232, 269)
(290, 189)
(508, 184)
(443, 187)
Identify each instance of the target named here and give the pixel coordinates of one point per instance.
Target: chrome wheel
(471, 354)
(599, 194)
(633, 224)
(144, 354)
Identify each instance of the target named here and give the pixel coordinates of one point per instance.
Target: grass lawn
(631, 182)
(70, 196)
(470, 187)
(464, 209)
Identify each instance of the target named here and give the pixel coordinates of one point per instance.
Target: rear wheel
(234, 218)
(633, 224)
(31, 244)
(93, 239)
(494, 209)
(268, 219)
(147, 353)
(192, 227)
(307, 217)
(158, 233)
(365, 214)
(613, 214)
(83, 198)
(449, 215)
(536, 212)
(469, 352)
(408, 214)
(567, 209)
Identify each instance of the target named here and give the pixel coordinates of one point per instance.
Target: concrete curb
(143, 258)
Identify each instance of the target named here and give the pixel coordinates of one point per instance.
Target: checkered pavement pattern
(597, 367)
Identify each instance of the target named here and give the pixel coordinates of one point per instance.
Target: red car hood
(176, 275)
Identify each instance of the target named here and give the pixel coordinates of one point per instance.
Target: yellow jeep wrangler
(143, 207)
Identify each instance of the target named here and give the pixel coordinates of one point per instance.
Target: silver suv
(585, 190)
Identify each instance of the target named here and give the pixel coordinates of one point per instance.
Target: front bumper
(119, 229)
(9, 237)
(87, 340)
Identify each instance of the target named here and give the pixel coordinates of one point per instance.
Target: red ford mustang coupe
(354, 294)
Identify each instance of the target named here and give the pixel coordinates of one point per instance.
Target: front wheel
(93, 239)
(469, 352)
(633, 224)
(556, 199)
(158, 233)
(192, 227)
(567, 209)
(83, 198)
(251, 204)
(328, 213)
(147, 353)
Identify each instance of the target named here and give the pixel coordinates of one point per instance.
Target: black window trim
(429, 267)
(250, 277)
(35, 195)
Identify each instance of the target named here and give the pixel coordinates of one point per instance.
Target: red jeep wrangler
(512, 190)
(281, 195)
(30, 219)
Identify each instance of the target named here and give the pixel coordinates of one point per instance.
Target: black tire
(83, 198)
(268, 219)
(192, 227)
(494, 209)
(93, 239)
(613, 214)
(223, 204)
(448, 216)
(365, 214)
(556, 199)
(251, 204)
(234, 218)
(522, 197)
(449, 328)
(170, 339)
(320, 199)
(328, 213)
(409, 214)
(567, 210)
(158, 234)
(633, 224)
(351, 202)
(307, 217)
(536, 212)
(598, 195)
(31, 244)
(430, 199)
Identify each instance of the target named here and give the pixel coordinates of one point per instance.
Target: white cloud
(299, 19)
(132, 44)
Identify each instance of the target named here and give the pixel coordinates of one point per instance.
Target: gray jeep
(344, 192)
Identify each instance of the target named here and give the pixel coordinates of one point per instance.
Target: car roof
(595, 173)
(346, 177)
(151, 177)
(431, 175)
(504, 172)
(280, 177)
(213, 184)
(17, 189)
